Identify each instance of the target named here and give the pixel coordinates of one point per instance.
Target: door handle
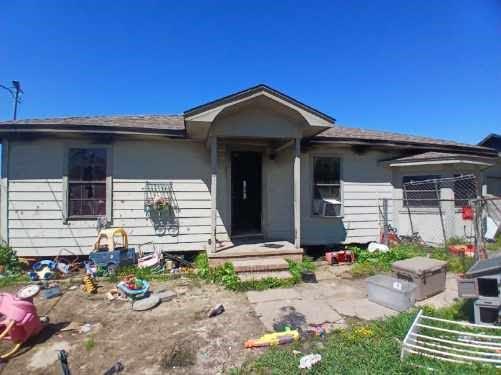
(244, 190)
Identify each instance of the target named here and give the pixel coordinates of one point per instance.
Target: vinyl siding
(35, 214)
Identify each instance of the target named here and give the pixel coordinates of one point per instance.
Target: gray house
(493, 175)
(256, 165)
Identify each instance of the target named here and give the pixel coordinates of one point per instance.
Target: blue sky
(418, 67)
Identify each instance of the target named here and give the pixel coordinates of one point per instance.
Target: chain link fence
(487, 224)
(431, 211)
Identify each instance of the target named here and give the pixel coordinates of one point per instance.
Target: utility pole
(14, 91)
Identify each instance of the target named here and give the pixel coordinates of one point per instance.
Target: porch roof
(436, 158)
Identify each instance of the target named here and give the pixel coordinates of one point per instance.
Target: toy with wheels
(152, 260)
(111, 239)
(43, 270)
(19, 319)
(133, 287)
(111, 251)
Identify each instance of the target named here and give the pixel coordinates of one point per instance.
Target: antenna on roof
(14, 91)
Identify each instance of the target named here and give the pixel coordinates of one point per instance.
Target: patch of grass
(225, 275)
(9, 261)
(496, 245)
(89, 344)
(368, 348)
(140, 273)
(368, 264)
(14, 279)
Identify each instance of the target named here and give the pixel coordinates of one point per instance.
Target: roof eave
(91, 129)
(474, 150)
(193, 112)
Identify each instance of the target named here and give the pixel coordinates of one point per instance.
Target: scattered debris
(73, 287)
(308, 276)
(115, 369)
(52, 292)
(374, 246)
(390, 292)
(133, 287)
(20, 321)
(428, 274)
(63, 361)
(73, 326)
(272, 339)
(480, 342)
(43, 270)
(111, 251)
(89, 285)
(217, 310)
(340, 257)
(462, 250)
(308, 361)
(86, 328)
(165, 295)
(146, 303)
(28, 292)
(153, 261)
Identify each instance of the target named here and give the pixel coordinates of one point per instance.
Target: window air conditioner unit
(330, 207)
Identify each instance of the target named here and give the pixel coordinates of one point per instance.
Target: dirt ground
(176, 337)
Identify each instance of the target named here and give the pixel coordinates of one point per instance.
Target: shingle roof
(175, 124)
(341, 132)
(429, 155)
(166, 122)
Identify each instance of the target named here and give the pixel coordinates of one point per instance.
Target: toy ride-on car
(111, 250)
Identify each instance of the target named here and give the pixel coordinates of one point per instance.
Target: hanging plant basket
(159, 203)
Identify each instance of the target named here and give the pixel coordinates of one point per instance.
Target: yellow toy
(272, 339)
(89, 285)
(111, 239)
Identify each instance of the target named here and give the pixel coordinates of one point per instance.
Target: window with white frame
(87, 169)
(326, 186)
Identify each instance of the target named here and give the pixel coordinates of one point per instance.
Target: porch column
(213, 194)
(297, 194)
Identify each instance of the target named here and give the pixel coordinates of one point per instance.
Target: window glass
(326, 186)
(87, 182)
(421, 191)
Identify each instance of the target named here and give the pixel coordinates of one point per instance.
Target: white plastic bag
(309, 360)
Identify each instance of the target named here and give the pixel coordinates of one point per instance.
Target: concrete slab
(272, 295)
(329, 289)
(295, 313)
(360, 308)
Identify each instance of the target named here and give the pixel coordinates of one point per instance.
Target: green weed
(225, 275)
(368, 348)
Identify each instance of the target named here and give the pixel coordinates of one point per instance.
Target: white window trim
(311, 182)
(109, 180)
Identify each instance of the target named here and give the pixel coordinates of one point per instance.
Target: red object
(467, 250)
(340, 257)
(467, 212)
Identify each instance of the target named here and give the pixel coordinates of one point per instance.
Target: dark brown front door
(245, 192)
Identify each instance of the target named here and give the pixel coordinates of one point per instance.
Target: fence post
(437, 192)
(479, 243)
(385, 221)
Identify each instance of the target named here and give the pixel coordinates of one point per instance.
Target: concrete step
(249, 276)
(260, 264)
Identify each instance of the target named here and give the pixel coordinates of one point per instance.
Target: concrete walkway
(330, 300)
